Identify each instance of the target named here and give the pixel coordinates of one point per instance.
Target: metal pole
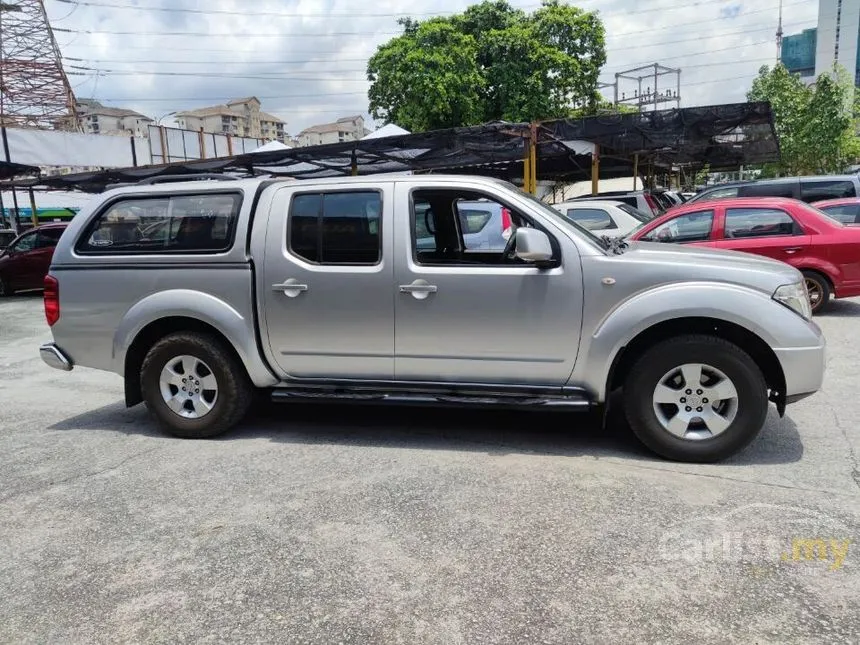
(16, 220)
(527, 171)
(533, 158)
(353, 164)
(229, 145)
(635, 170)
(2, 210)
(595, 170)
(655, 87)
(202, 143)
(678, 95)
(133, 152)
(35, 214)
(164, 156)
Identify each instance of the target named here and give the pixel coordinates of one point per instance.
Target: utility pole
(34, 89)
(779, 35)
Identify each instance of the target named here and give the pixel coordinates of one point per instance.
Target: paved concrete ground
(365, 525)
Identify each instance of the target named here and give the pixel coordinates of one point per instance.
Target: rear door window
(690, 227)
(759, 222)
(718, 193)
(819, 190)
(594, 219)
(336, 227)
(170, 224)
(844, 213)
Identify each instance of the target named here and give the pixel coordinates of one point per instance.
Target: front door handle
(291, 288)
(793, 249)
(420, 289)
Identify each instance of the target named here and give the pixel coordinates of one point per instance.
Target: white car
(603, 217)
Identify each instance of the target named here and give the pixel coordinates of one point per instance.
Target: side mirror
(533, 245)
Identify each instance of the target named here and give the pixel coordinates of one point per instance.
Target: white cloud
(306, 59)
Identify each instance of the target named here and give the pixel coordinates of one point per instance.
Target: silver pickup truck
(201, 294)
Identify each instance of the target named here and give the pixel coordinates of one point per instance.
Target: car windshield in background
(635, 213)
(833, 216)
(553, 214)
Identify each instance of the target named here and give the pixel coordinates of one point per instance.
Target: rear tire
(194, 386)
(819, 290)
(667, 406)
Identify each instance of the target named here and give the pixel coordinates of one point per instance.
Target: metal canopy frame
(723, 136)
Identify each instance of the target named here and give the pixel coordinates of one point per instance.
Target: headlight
(794, 296)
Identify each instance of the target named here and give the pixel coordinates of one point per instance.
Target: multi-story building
(350, 128)
(95, 118)
(798, 53)
(241, 117)
(835, 41)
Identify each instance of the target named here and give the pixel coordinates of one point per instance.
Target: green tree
(815, 124)
(492, 62)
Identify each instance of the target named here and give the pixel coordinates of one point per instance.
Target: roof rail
(164, 179)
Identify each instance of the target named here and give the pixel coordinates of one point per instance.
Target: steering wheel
(510, 246)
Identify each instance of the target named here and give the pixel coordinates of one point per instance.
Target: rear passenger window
(336, 228)
(174, 224)
(815, 191)
(594, 219)
(759, 222)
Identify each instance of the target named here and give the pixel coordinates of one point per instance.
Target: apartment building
(350, 128)
(241, 117)
(96, 118)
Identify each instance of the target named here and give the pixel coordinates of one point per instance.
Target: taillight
(52, 299)
(506, 223)
(652, 203)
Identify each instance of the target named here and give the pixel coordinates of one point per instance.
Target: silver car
(200, 294)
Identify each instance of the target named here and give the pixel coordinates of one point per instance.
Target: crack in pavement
(852, 455)
(78, 476)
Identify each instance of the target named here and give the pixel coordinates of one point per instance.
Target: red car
(825, 250)
(846, 210)
(25, 262)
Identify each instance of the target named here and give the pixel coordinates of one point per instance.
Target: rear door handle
(420, 289)
(291, 288)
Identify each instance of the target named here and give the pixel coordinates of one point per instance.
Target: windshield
(635, 213)
(831, 217)
(557, 217)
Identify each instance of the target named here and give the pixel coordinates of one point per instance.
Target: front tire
(194, 386)
(4, 289)
(695, 398)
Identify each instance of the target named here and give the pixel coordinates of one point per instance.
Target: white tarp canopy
(55, 148)
(272, 145)
(388, 130)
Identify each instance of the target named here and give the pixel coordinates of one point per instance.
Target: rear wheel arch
(748, 341)
(154, 332)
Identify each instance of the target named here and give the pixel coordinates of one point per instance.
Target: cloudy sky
(306, 59)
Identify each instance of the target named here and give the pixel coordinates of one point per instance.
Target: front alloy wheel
(695, 401)
(696, 398)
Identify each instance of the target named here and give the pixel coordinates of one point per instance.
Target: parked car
(645, 201)
(845, 210)
(7, 235)
(824, 250)
(807, 189)
(486, 226)
(603, 217)
(25, 262)
(318, 290)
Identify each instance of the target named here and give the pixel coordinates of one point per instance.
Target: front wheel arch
(749, 342)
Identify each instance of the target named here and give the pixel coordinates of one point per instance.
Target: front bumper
(55, 357)
(803, 368)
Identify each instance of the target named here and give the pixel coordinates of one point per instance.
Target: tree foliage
(492, 62)
(815, 124)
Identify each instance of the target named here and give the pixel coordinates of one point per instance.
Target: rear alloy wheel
(194, 386)
(695, 398)
(818, 289)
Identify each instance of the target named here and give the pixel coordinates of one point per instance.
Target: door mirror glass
(533, 245)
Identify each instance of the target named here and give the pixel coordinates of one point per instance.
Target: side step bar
(569, 400)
